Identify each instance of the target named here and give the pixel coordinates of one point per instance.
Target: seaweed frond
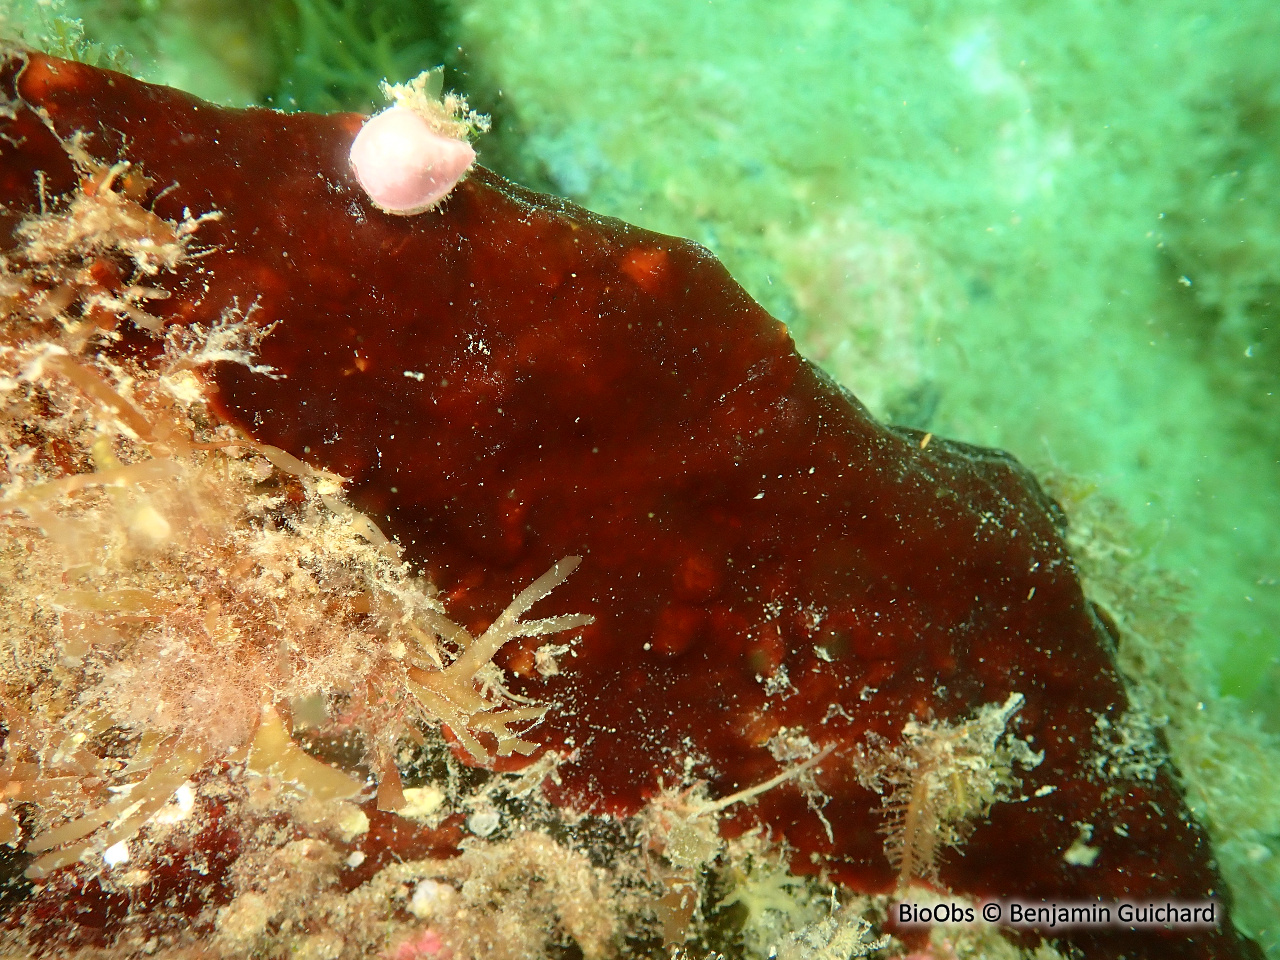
(448, 113)
(939, 780)
(843, 935)
(682, 824)
(47, 25)
(177, 592)
(451, 694)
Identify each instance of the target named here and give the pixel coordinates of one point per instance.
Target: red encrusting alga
(509, 380)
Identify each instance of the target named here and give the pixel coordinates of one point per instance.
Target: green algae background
(1052, 227)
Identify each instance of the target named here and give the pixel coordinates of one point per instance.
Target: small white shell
(404, 165)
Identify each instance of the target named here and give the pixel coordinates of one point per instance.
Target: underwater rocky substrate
(287, 475)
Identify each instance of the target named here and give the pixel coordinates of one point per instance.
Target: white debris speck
(544, 658)
(350, 820)
(777, 683)
(420, 803)
(430, 897)
(484, 821)
(116, 854)
(1080, 854)
(178, 808)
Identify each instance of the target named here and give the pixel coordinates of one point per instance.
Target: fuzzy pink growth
(426, 944)
(404, 166)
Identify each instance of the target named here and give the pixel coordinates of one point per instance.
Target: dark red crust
(578, 386)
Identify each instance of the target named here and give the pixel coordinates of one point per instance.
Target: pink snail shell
(404, 165)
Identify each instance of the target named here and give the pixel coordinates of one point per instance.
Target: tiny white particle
(355, 859)
(180, 807)
(116, 854)
(429, 897)
(484, 822)
(415, 375)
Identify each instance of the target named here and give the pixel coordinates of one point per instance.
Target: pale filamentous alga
(175, 592)
(940, 779)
